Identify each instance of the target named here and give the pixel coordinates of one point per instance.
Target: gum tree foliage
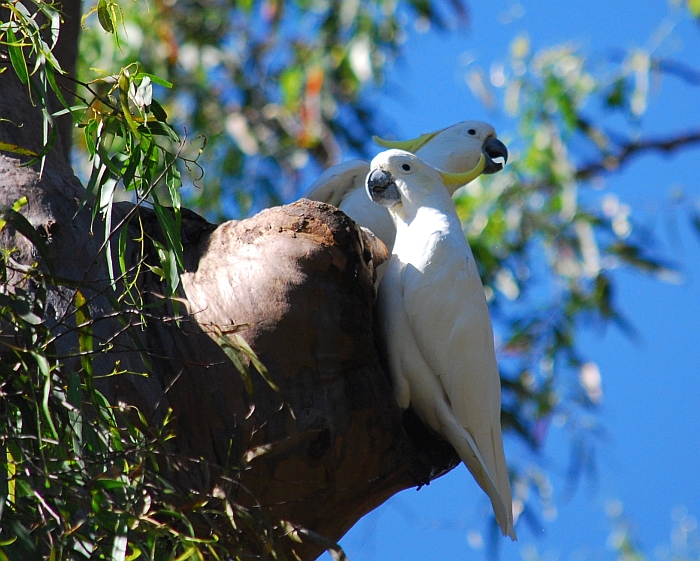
(683, 544)
(547, 248)
(272, 85)
(83, 478)
(278, 89)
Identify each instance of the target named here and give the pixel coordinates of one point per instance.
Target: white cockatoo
(435, 322)
(456, 149)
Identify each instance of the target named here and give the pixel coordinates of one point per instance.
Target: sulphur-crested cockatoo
(435, 321)
(455, 149)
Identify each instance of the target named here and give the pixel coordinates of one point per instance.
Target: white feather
(436, 327)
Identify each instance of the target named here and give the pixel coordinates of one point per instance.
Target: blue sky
(649, 459)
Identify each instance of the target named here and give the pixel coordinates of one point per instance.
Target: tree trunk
(297, 283)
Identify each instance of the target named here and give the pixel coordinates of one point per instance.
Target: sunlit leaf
(105, 15)
(84, 324)
(155, 79)
(694, 7)
(6, 147)
(17, 59)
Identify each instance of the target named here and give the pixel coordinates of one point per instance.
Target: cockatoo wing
(334, 184)
(450, 324)
(343, 186)
(415, 382)
(400, 346)
(358, 206)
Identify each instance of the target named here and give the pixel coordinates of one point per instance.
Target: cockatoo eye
(406, 167)
(472, 131)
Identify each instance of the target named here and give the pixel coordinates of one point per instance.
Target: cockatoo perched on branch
(435, 322)
(455, 149)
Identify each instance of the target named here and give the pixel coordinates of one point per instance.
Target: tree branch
(679, 69)
(612, 162)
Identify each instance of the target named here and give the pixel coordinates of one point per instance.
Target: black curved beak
(382, 188)
(496, 155)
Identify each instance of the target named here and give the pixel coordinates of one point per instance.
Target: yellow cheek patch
(467, 176)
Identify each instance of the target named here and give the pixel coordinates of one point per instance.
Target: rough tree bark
(66, 53)
(298, 282)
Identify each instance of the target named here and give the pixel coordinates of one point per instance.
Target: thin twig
(612, 162)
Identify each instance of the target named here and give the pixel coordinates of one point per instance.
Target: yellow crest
(465, 177)
(409, 145)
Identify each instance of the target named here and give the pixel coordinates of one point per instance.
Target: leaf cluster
(86, 479)
(548, 241)
(30, 34)
(128, 139)
(83, 478)
(276, 87)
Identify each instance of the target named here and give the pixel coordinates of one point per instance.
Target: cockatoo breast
(419, 239)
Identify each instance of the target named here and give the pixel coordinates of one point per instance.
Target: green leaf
(90, 132)
(17, 56)
(105, 15)
(112, 164)
(24, 311)
(59, 94)
(291, 82)
(75, 397)
(155, 79)
(24, 537)
(161, 129)
(173, 180)
(242, 344)
(107, 483)
(187, 554)
(84, 324)
(246, 6)
(694, 7)
(106, 203)
(19, 203)
(235, 355)
(43, 364)
(617, 94)
(125, 82)
(129, 172)
(97, 178)
(633, 255)
(158, 111)
(170, 225)
(6, 147)
(55, 17)
(71, 109)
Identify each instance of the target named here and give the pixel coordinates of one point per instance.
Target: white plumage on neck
(419, 231)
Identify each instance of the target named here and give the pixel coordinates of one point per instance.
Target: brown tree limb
(679, 69)
(612, 162)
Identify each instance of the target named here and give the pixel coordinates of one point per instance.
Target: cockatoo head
(456, 149)
(399, 177)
